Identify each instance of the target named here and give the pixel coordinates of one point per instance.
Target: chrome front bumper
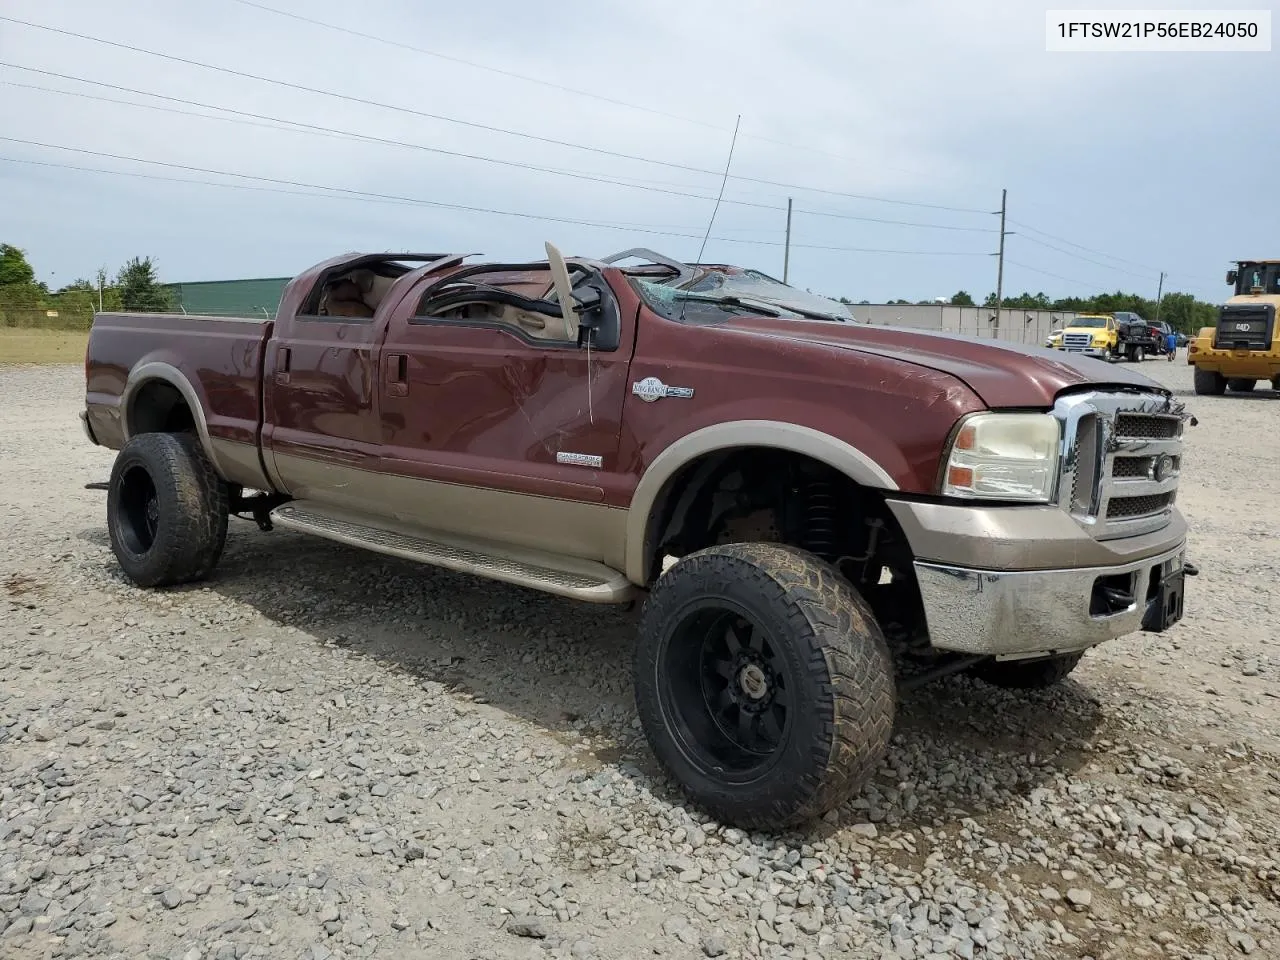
(1021, 613)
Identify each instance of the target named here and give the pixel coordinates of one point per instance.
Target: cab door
(496, 430)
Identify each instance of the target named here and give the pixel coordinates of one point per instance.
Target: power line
(280, 123)
(1196, 278)
(476, 125)
(1106, 266)
(1069, 243)
(640, 227)
(368, 195)
(450, 58)
(347, 31)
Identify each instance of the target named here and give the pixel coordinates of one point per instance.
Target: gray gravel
(321, 753)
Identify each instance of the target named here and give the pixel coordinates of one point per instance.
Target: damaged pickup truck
(816, 513)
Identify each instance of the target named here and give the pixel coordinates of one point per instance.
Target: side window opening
(351, 293)
(522, 299)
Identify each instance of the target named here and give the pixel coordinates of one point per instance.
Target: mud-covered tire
(166, 510)
(1210, 383)
(819, 656)
(1241, 384)
(1027, 674)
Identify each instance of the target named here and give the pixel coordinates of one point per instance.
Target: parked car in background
(1160, 330)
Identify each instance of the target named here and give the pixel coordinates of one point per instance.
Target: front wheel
(1210, 383)
(166, 510)
(1108, 355)
(763, 683)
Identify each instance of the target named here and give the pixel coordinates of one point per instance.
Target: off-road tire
(839, 724)
(1209, 383)
(1241, 384)
(1027, 674)
(189, 510)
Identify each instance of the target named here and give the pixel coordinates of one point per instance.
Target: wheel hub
(753, 682)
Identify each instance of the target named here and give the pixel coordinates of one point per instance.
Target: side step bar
(565, 576)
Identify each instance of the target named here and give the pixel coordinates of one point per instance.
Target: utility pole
(786, 251)
(1004, 196)
(1159, 295)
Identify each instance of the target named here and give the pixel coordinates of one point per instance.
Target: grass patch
(19, 345)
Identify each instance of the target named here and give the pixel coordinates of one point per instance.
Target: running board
(550, 573)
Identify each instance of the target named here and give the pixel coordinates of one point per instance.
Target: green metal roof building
(241, 298)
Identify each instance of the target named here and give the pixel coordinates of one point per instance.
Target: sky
(1117, 166)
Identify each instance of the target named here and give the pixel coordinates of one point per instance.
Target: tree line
(28, 302)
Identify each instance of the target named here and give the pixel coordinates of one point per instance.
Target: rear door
(321, 426)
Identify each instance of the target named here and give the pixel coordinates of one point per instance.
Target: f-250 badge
(651, 388)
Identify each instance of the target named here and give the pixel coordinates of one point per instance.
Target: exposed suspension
(820, 519)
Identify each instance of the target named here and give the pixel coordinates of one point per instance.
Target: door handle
(283, 357)
(397, 375)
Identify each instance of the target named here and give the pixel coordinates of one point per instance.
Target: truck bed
(137, 364)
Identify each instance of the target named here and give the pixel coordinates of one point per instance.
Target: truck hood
(1003, 374)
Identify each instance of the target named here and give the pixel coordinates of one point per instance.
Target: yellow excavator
(1245, 345)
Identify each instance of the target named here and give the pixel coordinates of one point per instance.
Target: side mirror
(1231, 277)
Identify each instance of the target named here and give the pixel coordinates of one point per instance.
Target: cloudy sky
(1117, 165)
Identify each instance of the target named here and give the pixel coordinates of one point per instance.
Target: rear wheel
(1241, 384)
(166, 510)
(1139, 354)
(763, 683)
(1027, 674)
(1209, 383)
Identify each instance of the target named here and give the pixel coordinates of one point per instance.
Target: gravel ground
(321, 753)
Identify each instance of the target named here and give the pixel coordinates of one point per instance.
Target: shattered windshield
(718, 293)
(754, 285)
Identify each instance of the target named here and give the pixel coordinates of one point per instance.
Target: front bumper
(1020, 613)
(1025, 580)
(1098, 352)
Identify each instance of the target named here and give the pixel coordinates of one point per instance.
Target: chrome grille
(1132, 426)
(1121, 459)
(1077, 341)
(1122, 507)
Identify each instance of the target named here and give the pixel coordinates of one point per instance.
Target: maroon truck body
(352, 411)
(800, 496)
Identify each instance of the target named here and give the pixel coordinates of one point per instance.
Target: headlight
(1004, 456)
